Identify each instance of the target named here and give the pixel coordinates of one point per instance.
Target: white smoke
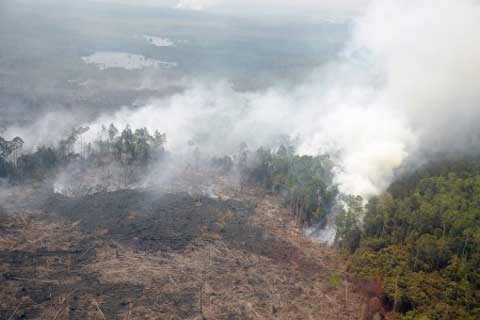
(429, 53)
(46, 130)
(405, 83)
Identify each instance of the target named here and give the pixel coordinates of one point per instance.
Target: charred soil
(138, 254)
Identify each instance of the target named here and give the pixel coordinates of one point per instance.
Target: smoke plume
(405, 84)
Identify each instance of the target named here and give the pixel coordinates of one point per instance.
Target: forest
(421, 241)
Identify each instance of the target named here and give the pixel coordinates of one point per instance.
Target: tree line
(127, 148)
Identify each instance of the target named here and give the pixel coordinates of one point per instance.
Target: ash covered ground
(150, 254)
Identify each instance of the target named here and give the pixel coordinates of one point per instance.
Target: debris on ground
(138, 254)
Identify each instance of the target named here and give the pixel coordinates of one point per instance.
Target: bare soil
(139, 254)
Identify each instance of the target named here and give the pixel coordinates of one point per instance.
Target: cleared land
(144, 255)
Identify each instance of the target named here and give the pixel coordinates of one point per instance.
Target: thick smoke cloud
(429, 54)
(404, 85)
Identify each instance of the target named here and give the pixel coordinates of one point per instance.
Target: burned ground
(138, 254)
(149, 221)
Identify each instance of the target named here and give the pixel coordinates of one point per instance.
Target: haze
(363, 88)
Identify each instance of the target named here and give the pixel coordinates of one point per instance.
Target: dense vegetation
(304, 182)
(421, 240)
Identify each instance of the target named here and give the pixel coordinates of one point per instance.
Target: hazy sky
(259, 7)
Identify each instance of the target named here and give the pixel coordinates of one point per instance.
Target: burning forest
(200, 159)
(222, 238)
